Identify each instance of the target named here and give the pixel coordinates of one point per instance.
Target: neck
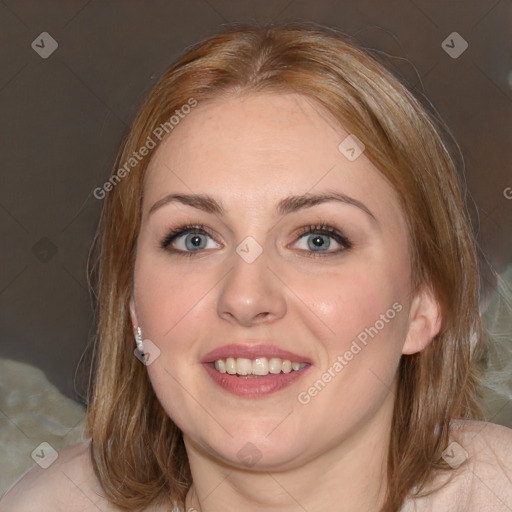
(346, 477)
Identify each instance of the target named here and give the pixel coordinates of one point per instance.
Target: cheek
(353, 300)
(171, 308)
(364, 311)
(167, 298)
(364, 308)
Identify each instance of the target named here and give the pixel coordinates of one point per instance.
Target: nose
(251, 294)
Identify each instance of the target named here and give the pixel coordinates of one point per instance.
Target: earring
(138, 340)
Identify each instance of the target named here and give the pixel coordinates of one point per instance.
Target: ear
(425, 321)
(133, 314)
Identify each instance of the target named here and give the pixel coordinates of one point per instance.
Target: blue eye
(319, 240)
(187, 239)
(192, 239)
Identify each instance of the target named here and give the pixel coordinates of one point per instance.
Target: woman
(284, 236)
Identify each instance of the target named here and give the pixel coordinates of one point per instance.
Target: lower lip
(254, 386)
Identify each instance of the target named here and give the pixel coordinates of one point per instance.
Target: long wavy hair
(137, 451)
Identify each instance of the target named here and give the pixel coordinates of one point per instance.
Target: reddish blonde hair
(137, 451)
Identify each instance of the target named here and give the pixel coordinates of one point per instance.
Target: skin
(249, 152)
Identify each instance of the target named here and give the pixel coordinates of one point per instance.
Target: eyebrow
(287, 205)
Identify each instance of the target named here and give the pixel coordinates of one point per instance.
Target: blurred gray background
(64, 116)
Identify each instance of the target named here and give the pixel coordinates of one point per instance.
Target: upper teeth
(258, 366)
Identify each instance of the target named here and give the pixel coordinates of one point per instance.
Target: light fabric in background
(32, 411)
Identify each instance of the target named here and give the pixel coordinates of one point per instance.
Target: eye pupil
(196, 241)
(319, 241)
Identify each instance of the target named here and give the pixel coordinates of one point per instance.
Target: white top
(483, 480)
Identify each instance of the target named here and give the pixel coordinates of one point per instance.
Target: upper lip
(252, 352)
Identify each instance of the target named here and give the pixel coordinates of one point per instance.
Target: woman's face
(254, 290)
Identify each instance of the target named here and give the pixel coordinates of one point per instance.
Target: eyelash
(319, 229)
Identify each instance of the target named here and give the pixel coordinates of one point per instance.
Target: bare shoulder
(67, 484)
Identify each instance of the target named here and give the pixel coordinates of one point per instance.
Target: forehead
(252, 150)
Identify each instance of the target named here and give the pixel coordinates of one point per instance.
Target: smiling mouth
(258, 367)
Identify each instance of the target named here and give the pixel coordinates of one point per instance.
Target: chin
(259, 451)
